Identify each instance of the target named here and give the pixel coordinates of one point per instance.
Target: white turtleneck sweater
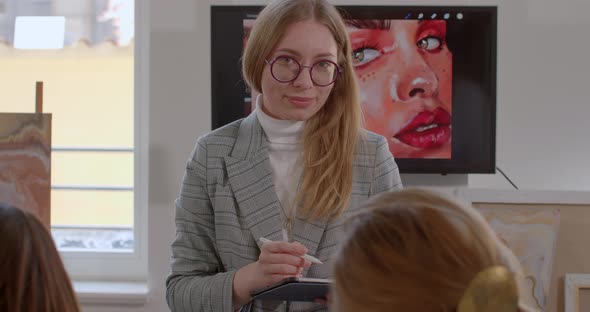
(284, 146)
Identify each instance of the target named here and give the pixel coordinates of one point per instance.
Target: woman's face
(307, 43)
(404, 69)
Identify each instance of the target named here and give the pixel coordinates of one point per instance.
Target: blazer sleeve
(386, 173)
(197, 281)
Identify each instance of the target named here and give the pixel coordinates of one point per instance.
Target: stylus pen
(306, 256)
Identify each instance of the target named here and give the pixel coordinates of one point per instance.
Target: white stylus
(306, 256)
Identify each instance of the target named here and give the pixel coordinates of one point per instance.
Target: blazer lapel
(250, 176)
(309, 233)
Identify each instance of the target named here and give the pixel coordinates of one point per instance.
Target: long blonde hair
(331, 136)
(415, 250)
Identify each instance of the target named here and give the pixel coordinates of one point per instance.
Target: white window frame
(88, 267)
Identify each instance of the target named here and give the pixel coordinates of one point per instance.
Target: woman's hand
(277, 260)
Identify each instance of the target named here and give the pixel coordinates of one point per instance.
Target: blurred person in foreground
(32, 275)
(416, 250)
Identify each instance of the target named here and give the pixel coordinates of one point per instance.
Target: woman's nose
(304, 79)
(413, 79)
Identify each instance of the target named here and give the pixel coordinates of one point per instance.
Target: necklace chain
(287, 221)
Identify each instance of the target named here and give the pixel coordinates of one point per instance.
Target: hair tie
(493, 289)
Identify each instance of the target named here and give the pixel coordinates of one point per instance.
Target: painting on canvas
(25, 162)
(531, 233)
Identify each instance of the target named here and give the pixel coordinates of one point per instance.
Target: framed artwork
(531, 234)
(574, 285)
(25, 162)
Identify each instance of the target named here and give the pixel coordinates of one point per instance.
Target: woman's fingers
(284, 258)
(295, 248)
(279, 260)
(275, 278)
(281, 269)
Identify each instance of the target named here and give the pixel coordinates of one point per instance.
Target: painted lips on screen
(428, 129)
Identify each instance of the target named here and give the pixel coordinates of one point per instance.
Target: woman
(289, 172)
(404, 69)
(419, 251)
(32, 276)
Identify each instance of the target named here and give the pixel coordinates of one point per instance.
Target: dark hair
(32, 275)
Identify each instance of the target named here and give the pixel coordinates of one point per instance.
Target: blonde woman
(289, 172)
(416, 250)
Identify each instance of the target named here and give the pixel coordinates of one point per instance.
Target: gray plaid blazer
(227, 201)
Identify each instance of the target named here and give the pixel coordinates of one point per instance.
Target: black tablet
(294, 289)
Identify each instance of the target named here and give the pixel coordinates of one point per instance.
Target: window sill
(111, 293)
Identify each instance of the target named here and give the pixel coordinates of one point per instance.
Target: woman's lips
(427, 129)
(300, 101)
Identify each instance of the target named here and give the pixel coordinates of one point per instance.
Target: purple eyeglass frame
(301, 67)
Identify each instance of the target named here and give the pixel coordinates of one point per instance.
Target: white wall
(543, 103)
(542, 69)
(542, 80)
(179, 112)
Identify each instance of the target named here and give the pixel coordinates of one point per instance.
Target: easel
(39, 97)
(39, 111)
(26, 143)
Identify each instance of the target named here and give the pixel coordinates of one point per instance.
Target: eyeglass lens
(286, 69)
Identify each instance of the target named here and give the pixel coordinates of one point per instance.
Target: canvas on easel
(25, 162)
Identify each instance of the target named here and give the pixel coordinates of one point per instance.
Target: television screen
(427, 79)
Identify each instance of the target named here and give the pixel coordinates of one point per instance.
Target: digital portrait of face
(404, 70)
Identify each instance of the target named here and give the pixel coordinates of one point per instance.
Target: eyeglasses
(286, 69)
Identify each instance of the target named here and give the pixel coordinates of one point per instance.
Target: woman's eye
(364, 56)
(429, 43)
(284, 60)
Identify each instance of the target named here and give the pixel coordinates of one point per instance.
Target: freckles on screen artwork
(404, 69)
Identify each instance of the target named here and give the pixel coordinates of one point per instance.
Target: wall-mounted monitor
(427, 77)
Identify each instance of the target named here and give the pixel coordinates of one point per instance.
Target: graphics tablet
(294, 289)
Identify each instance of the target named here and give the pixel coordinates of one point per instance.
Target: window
(99, 159)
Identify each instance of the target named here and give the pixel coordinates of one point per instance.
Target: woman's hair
(32, 276)
(417, 251)
(331, 136)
